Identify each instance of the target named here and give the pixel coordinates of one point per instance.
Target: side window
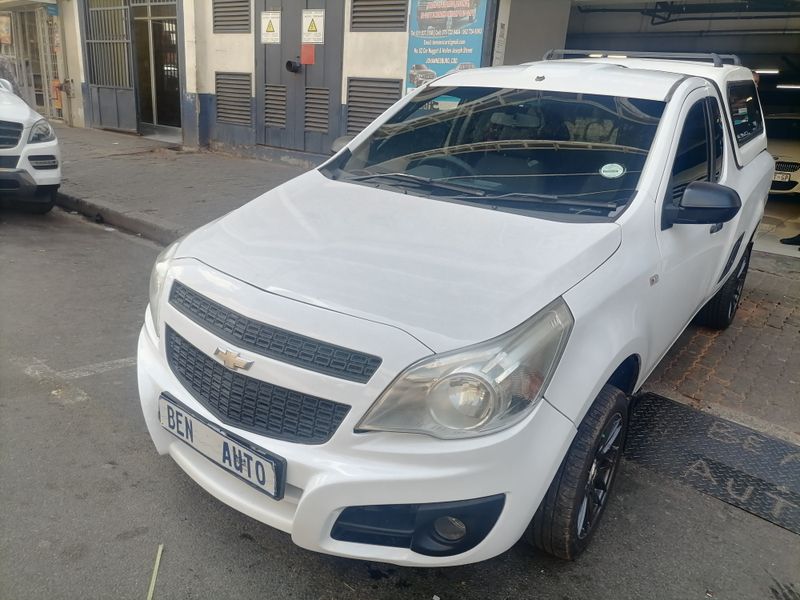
(745, 111)
(691, 159)
(717, 137)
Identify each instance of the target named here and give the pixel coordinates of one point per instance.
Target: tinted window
(691, 159)
(718, 139)
(511, 149)
(745, 111)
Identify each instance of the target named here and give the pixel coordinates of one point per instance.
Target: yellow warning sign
(271, 27)
(313, 31)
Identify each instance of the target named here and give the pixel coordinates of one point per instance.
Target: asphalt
(87, 501)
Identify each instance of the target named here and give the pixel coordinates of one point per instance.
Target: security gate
(109, 64)
(299, 105)
(155, 41)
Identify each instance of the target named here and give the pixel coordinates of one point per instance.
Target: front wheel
(579, 493)
(718, 313)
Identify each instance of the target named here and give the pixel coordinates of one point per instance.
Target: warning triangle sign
(312, 27)
(270, 28)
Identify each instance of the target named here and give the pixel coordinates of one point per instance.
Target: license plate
(781, 177)
(249, 463)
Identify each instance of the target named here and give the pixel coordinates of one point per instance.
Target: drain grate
(735, 464)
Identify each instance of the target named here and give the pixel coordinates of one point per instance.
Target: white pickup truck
(424, 349)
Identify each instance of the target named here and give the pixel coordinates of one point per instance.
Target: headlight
(157, 277)
(479, 389)
(41, 131)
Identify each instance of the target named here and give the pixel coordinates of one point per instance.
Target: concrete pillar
(72, 48)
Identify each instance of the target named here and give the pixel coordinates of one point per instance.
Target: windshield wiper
(418, 179)
(545, 199)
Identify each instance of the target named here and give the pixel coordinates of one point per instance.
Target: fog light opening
(450, 529)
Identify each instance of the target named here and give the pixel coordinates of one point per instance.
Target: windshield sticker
(612, 170)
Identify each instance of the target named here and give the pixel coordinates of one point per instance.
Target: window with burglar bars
(108, 43)
(378, 15)
(231, 16)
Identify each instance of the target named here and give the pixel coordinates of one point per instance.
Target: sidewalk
(152, 188)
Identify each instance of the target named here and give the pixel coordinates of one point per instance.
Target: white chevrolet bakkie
(424, 349)
(30, 160)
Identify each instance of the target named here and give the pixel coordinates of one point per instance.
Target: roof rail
(717, 59)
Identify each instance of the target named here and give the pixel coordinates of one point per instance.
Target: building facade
(255, 75)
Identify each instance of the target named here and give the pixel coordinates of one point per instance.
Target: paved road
(86, 500)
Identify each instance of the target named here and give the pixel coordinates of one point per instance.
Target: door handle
(715, 228)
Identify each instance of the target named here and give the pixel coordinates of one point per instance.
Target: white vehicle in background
(783, 142)
(425, 349)
(30, 159)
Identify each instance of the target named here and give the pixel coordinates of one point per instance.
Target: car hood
(784, 150)
(13, 108)
(446, 273)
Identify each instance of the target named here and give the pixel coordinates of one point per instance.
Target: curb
(159, 231)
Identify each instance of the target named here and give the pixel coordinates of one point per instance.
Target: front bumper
(371, 469)
(792, 186)
(30, 167)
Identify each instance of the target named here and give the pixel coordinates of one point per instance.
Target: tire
(43, 202)
(574, 504)
(719, 312)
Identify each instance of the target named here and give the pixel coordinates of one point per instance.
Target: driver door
(692, 255)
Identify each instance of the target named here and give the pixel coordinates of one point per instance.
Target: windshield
(783, 129)
(510, 149)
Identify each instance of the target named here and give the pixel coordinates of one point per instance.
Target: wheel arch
(626, 375)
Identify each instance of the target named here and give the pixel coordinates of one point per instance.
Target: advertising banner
(445, 36)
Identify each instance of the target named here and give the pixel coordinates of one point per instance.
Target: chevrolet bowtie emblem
(232, 360)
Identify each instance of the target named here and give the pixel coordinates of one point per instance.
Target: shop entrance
(31, 57)
(155, 40)
(299, 88)
(132, 65)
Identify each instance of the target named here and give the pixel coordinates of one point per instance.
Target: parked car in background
(783, 142)
(30, 159)
(419, 74)
(425, 348)
(464, 66)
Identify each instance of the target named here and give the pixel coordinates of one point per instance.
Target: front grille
(43, 161)
(273, 342)
(787, 167)
(251, 404)
(9, 134)
(8, 162)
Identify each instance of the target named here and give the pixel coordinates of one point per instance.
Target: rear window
(745, 111)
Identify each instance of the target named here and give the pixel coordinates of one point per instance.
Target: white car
(30, 160)
(425, 348)
(783, 132)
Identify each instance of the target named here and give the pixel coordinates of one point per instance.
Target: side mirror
(6, 85)
(340, 142)
(703, 203)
